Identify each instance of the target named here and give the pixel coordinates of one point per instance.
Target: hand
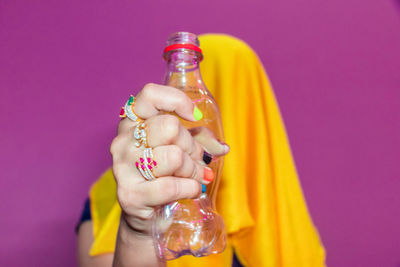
(180, 168)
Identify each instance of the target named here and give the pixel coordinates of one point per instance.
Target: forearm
(134, 249)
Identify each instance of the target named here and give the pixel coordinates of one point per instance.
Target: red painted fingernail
(208, 174)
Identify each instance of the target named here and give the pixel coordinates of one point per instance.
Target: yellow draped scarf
(259, 197)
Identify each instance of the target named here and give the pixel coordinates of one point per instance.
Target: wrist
(134, 248)
(130, 234)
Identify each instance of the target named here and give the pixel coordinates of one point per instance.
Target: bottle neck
(182, 68)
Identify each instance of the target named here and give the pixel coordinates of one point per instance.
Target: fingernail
(197, 113)
(227, 148)
(208, 174)
(203, 188)
(207, 157)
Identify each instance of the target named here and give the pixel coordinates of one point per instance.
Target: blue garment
(85, 216)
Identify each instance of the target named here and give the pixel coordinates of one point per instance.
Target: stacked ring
(140, 135)
(127, 110)
(146, 164)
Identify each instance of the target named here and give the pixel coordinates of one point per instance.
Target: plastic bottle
(192, 226)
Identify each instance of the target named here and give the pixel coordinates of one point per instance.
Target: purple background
(67, 66)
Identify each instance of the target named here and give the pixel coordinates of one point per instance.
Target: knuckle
(117, 169)
(171, 127)
(129, 200)
(120, 147)
(115, 145)
(148, 89)
(175, 156)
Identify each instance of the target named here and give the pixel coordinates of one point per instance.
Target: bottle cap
(182, 41)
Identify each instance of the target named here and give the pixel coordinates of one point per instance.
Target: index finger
(154, 98)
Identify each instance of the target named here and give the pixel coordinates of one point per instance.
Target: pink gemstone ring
(146, 164)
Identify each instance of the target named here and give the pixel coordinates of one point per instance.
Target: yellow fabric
(259, 197)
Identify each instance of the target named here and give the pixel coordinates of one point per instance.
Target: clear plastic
(191, 226)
